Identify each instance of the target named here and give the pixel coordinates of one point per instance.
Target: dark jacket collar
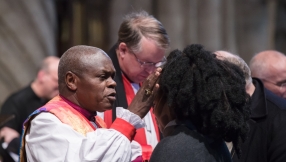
(121, 100)
(258, 100)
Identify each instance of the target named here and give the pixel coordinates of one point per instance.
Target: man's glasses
(280, 85)
(150, 64)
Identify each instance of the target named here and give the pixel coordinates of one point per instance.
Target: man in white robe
(67, 128)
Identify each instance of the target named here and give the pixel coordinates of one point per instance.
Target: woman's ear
(71, 80)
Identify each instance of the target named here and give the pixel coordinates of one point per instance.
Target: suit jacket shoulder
(187, 145)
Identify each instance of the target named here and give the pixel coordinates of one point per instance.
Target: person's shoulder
(46, 116)
(276, 108)
(274, 101)
(183, 145)
(182, 138)
(19, 95)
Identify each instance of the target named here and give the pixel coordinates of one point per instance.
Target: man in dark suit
(23, 102)
(140, 49)
(266, 141)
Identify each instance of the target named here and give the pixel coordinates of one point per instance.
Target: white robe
(51, 140)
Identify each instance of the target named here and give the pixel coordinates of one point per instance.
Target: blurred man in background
(140, 49)
(270, 67)
(22, 103)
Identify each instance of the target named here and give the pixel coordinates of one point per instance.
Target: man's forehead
(97, 57)
(99, 62)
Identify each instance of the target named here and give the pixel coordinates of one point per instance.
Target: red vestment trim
(124, 127)
(140, 136)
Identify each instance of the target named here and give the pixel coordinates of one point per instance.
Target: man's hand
(144, 98)
(8, 134)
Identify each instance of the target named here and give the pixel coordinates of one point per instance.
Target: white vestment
(50, 140)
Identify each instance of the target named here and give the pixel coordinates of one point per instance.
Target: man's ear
(41, 75)
(122, 48)
(71, 80)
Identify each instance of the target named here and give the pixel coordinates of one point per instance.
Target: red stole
(140, 136)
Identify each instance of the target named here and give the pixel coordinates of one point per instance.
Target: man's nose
(111, 83)
(150, 69)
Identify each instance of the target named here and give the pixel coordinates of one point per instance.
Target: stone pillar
(251, 27)
(172, 15)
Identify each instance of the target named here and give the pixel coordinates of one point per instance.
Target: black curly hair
(207, 91)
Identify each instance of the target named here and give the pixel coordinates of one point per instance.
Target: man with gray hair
(266, 141)
(270, 67)
(140, 49)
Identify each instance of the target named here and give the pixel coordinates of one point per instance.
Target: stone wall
(27, 35)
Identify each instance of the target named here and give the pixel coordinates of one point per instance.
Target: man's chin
(106, 109)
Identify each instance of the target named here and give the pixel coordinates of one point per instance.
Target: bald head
(50, 63)
(76, 59)
(224, 55)
(45, 85)
(86, 78)
(270, 67)
(264, 62)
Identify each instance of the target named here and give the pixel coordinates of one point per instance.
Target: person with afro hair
(201, 103)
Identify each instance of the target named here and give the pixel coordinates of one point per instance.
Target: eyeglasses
(280, 85)
(150, 64)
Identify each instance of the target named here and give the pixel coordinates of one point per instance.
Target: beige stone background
(27, 35)
(33, 29)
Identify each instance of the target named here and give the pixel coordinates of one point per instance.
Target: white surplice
(50, 140)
